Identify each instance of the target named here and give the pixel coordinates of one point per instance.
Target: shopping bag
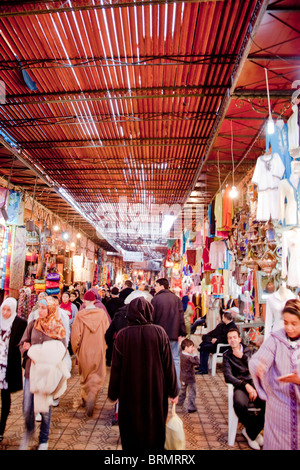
(175, 437)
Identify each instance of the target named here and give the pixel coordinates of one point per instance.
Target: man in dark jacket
(249, 408)
(114, 302)
(168, 313)
(118, 322)
(126, 290)
(212, 339)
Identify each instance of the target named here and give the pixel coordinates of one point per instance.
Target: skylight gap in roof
(62, 45)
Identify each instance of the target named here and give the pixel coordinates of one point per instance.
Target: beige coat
(88, 343)
(48, 373)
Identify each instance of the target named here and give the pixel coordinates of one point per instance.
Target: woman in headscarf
(142, 378)
(275, 370)
(188, 313)
(11, 330)
(69, 307)
(47, 327)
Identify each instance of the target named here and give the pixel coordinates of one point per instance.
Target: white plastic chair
(214, 358)
(233, 420)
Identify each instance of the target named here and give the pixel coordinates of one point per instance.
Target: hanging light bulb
(65, 236)
(78, 235)
(270, 126)
(56, 228)
(233, 192)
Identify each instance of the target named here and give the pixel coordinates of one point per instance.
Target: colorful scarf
(67, 307)
(52, 325)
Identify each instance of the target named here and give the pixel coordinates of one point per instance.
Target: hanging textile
(17, 266)
(11, 231)
(191, 257)
(293, 129)
(289, 200)
(4, 257)
(279, 143)
(269, 170)
(217, 254)
(211, 220)
(219, 211)
(13, 207)
(217, 283)
(227, 212)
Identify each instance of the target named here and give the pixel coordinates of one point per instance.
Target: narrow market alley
(72, 430)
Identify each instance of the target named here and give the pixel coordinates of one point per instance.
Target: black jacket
(220, 332)
(168, 313)
(125, 292)
(236, 371)
(14, 361)
(118, 322)
(113, 305)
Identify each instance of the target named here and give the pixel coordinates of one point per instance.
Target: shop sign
(133, 256)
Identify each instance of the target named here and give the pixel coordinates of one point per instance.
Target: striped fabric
(282, 418)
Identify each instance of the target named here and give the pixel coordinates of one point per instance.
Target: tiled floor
(72, 430)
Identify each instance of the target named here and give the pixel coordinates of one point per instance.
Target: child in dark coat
(188, 360)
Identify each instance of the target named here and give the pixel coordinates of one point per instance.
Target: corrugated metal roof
(133, 98)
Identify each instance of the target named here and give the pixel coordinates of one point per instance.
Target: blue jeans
(176, 358)
(28, 411)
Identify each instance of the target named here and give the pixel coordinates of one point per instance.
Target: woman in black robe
(142, 378)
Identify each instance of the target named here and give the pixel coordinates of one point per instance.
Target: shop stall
(246, 254)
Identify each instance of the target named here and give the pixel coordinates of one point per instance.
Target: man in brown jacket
(88, 343)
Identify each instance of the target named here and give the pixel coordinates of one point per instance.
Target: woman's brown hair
(293, 307)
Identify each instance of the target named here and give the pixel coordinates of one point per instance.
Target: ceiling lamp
(56, 228)
(233, 192)
(65, 236)
(270, 124)
(78, 235)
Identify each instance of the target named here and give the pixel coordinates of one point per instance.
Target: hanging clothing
(293, 128)
(291, 257)
(217, 254)
(213, 313)
(227, 212)
(219, 210)
(289, 201)
(217, 283)
(274, 306)
(191, 257)
(268, 172)
(211, 219)
(280, 144)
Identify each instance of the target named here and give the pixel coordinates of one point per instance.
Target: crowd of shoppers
(143, 335)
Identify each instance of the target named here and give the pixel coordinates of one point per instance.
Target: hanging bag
(175, 437)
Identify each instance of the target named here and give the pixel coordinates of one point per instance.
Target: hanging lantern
(268, 263)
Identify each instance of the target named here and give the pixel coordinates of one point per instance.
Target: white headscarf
(5, 323)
